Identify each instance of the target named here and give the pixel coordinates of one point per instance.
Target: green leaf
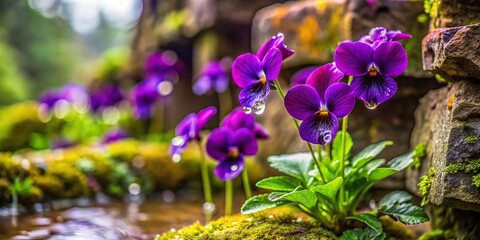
(279, 183)
(363, 234)
(371, 166)
(259, 203)
(337, 146)
(369, 153)
(305, 197)
(381, 173)
(395, 197)
(369, 219)
(330, 189)
(297, 165)
(406, 213)
(401, 162)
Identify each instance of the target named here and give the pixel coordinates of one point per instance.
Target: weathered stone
(453, 52)
(314, 28)
(452, 13)
(445, 119)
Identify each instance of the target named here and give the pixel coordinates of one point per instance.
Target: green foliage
(333, 198)
(21, 187)
(438, 234)
(418, 154)
(363, 234)
(252, 227)
(476, 180)
(471, 139)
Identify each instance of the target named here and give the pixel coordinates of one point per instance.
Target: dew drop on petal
(388, 90)
(259, 107)
(209, 207)
(176, 158)
(234, 167)
(247, 110)
(327, 136)
(371, 105)
(386, 94)
(178, 141)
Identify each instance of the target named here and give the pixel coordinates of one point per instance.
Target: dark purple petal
(114, 135)
(245, 141)
(202, 85)
(142, 110)
(301, 76)
(324, 76)
(302, 101)
(220, 84)
(218, 143)
(391, 58)
(272, 63)
(353, 58)
(254, 93)
(203, 116)
(260, 132)
(238, 119)
(340, 99)
(230, 168)
(397, 35)
(319, 129)
(246, 70)
(374, 90)
(275, 42)
(187, 126)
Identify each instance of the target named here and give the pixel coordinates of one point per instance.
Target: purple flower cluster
(161, 69)
(255, 73)
(113, 135)
(236, 138)
(104, 97)
(188, 130)
(214, 77)
(71, 93)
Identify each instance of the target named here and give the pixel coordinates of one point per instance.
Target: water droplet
(386, 94)
(371, 105)
(234, 167)
(388, 90)
(327, 136)
(209, 207)
(259, 107)
(247, 110)
(176, 158)
(165, 88)
(178, 141)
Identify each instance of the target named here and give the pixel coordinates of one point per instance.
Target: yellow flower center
(263, 79)
(372, 71)
(233, 153)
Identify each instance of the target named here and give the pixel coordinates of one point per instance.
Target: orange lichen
(450, 102)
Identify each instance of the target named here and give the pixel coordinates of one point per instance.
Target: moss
(476, 180)
(438, 234)
(73, 181)
(418, 155)
(471, 139)
(425, 184)
(396, 230)
(472, 166)
(250, 227)
(50, 185)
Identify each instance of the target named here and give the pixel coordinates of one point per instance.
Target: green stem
(295, 121)
(246, 183)
(343, 153)
(228, 197)
(207, 191)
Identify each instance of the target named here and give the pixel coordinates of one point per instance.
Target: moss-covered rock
(250, 227)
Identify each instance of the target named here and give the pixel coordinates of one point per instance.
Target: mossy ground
(252, 227)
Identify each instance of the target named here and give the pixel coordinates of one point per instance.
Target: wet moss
(471, 139)
(476, 180)
(472, 166)
(250, 227)
(425, 184)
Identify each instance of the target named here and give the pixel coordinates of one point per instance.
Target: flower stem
(344, 140)
(295, 121)
(228, 197)
(207, 191)
(246, 183)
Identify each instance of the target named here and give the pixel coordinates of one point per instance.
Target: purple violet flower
(372, 69)
(380, 34)
(49, 98)
(214, 76)
(301, 76)
(161, 63)
(104, 97)
(238, 119)
(320, 103)
(114, 135)
(255, 76)
(71, 93)
(189, 129)
(145, 95)
(275, 42)
(229, 148)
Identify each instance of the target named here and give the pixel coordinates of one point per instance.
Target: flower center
(263, 79)
(233, 152)
(323, 112)
(372, 71)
